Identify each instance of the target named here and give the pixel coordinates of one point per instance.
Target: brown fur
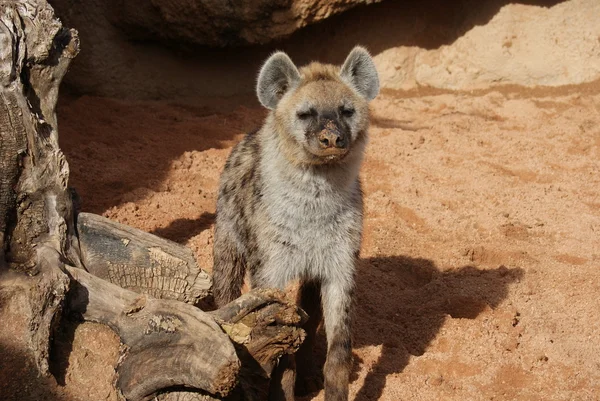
(290, 205)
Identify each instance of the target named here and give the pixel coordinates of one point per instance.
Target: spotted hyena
(290, 202)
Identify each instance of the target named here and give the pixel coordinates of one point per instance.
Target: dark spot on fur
(257, 192)
(224, 192)
(287, 244)
(342, 344)
(248, 177)
(228, 188)
(255, 266)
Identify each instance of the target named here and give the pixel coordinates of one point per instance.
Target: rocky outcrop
(522, 45)
(156, 49)
(459, 45)
(220, 22)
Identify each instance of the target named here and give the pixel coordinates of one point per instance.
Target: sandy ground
(479, 273)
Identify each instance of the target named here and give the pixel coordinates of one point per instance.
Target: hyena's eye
(306, 114)
(346, 111)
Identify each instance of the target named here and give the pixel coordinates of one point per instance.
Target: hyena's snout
(332, 139)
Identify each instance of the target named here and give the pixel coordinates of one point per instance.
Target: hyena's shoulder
(240, 184)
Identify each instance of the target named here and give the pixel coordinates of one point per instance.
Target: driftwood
(36, 219)
(172, 349)
(175, 343)
(180, 345)
(139, 261)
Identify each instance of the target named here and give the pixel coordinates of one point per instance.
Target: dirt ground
(479, 272)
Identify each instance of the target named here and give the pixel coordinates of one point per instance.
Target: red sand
(479, 270)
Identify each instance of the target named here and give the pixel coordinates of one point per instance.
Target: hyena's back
(235, 245)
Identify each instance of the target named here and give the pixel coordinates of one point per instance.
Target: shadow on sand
(181, 230)
(401, 304)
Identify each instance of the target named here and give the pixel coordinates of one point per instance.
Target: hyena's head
(320, 110)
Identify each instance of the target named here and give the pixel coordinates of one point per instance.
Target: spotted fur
(290, 200)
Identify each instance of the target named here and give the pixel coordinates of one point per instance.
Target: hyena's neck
(339, 179)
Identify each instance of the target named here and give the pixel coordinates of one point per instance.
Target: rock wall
(522, 44)
(151, 50)
(221, 23)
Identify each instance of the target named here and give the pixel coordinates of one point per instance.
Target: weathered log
(263, 328)
(175, 343)
(36, 223)
(37, 51)
(141, 262)
(262, 325)
(179, 345)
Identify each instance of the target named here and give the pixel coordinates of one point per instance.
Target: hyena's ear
(359, 71)
(276, 76)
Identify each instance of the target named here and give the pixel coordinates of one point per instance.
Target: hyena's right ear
(276, 76)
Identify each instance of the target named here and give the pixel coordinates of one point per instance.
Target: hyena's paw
(309, 383)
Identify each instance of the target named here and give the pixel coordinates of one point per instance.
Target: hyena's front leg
(228, 270)
(337, 305)
(308, 379)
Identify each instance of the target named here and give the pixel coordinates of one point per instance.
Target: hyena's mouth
(326, 156)
(326, 153)
(330, 152)
(334, 158)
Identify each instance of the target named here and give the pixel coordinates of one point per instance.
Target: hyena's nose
(330, 139)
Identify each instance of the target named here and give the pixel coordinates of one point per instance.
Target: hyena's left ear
(276, 76)
(359, 71)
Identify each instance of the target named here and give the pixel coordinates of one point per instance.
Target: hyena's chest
(308, 237)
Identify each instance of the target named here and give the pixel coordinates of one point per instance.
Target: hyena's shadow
(401, 304)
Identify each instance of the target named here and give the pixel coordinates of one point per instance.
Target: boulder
(219, 22)
(521, 45)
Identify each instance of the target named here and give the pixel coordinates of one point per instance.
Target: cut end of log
(169, 343)
(223, 384)
(139, 261)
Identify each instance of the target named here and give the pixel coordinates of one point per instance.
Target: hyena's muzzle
(330, 137)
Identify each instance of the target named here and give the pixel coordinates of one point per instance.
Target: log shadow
(61, 344)
(61, 348)
(181, 230)
(121, 152)
(20, 380)
(401, 304)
